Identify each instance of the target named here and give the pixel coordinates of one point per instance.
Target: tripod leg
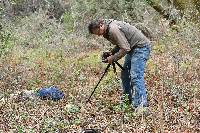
(120, 65)
(99, 82)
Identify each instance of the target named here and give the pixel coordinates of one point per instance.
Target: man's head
(97, 27)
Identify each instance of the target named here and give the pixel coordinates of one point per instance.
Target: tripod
(106, 70)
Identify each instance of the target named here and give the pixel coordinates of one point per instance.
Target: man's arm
(120, 40)
(115, 50)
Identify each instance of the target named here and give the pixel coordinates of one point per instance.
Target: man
(134, 45)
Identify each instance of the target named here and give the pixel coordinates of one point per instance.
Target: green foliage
(92, 59)
(20, 129)
(149, 1)
(68, 22)
(76, 121)
(71, 109)
(6, 43)
(110, 81)
(124, 106)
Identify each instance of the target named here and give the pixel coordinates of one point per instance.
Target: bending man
(135, 46)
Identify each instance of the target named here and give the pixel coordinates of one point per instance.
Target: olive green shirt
(125, 36)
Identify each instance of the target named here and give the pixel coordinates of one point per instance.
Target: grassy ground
(72, 63)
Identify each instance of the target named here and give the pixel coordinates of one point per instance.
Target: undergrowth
(39, 52)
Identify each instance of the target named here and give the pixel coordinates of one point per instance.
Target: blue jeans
(133, 76)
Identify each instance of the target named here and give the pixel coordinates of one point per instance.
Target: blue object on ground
(52, 93)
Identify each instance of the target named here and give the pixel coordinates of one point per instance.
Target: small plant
(6, 43)
(68, 22)
(71, 109)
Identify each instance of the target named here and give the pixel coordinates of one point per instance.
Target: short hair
(94, 24)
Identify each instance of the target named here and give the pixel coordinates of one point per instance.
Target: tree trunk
(190, 9)
(162, 11)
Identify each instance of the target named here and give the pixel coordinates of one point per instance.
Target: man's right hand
(105, 55)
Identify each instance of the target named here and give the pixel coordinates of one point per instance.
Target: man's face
(99, 31)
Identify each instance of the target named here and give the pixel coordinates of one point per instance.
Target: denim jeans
(133, 76)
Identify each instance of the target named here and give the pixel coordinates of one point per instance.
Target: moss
(91, 59)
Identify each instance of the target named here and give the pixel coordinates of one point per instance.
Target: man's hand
(105, 55)
(110, 59)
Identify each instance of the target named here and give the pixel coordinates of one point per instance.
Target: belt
(136, 46)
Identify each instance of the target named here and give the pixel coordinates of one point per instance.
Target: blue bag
(52, 93)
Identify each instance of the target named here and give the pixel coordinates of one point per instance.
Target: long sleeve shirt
(124, 36)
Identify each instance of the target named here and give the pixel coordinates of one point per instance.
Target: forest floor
(172, 78)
